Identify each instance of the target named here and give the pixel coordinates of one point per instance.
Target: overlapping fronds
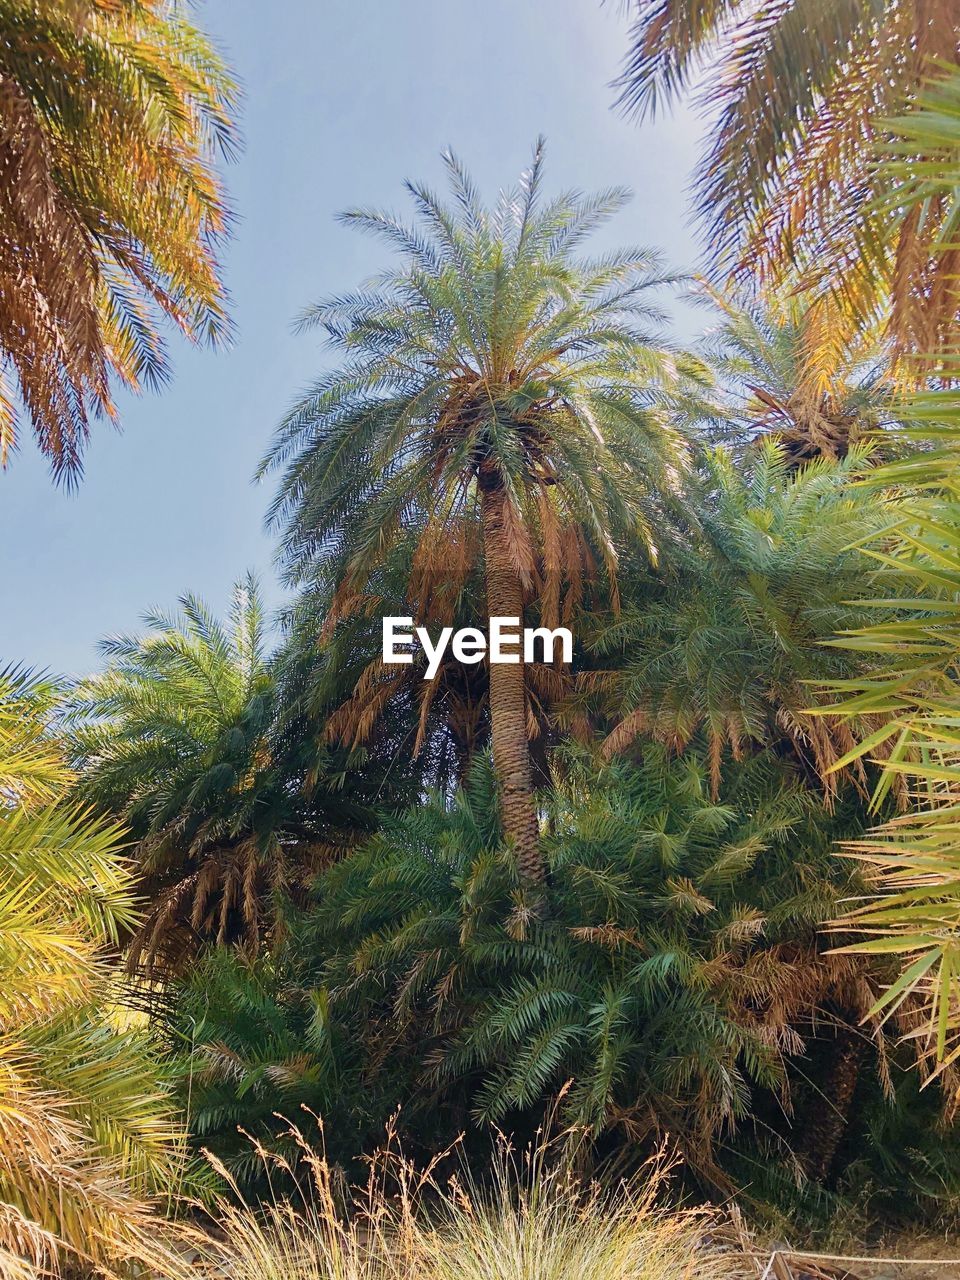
(680, 970)
(799, 100)
(492, 359)
(910, 686)
(111, 114)
(728, 640)
(87, 1134)
(921, 164)
(788, 375)
(32, 771)
(173, 736)
(179, 737)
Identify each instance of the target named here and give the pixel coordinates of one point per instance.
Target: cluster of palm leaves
(88, 1135)
(182, 737)
(672, 989)
(729, 638)
(789, 190)
(784, 376)
(911, 682)
(911, 688)
(110, 206)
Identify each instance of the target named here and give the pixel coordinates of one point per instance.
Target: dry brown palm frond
(630, 727)
(446, 554)
(222, 899)
(354, 721)
(64, 1199)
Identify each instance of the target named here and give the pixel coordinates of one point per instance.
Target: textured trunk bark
(508, 702)
(827, 1126)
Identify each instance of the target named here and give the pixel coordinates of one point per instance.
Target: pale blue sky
(343, 100)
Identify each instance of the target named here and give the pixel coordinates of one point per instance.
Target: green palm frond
(911, 685)
(727, 640)
(31, 769)
(87, 1135)
(680, 972)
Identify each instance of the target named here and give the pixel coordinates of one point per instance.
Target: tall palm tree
(797, 95)
(110, 207)
(498, 397)
(86, 1131)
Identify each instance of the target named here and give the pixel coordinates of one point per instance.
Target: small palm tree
(787, 380)
(500, 399)
(178, 737)
(729, 641)
(110, 209)
(790, 188)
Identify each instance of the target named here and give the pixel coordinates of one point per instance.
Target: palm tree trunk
(508, 701)
(827, 1124)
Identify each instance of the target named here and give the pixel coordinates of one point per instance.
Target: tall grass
(529, 1219)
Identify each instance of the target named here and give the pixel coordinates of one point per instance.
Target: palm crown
(496, 392)
(173, 735)
(788, 378)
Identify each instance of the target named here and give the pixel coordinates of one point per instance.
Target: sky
(343, 100)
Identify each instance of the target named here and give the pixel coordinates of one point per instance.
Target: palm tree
(87, 1133)
(727, 642)
(110, 208)
(179, 737)
(797, 98)
(679, 974)
(786, 378)
(498, 398)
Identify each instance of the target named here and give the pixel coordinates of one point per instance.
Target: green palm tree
(179, 736)
(785, 379)
(500, 399)
(728, 640)
(797, 95)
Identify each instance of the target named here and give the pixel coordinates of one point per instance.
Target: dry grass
(530, 1221)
